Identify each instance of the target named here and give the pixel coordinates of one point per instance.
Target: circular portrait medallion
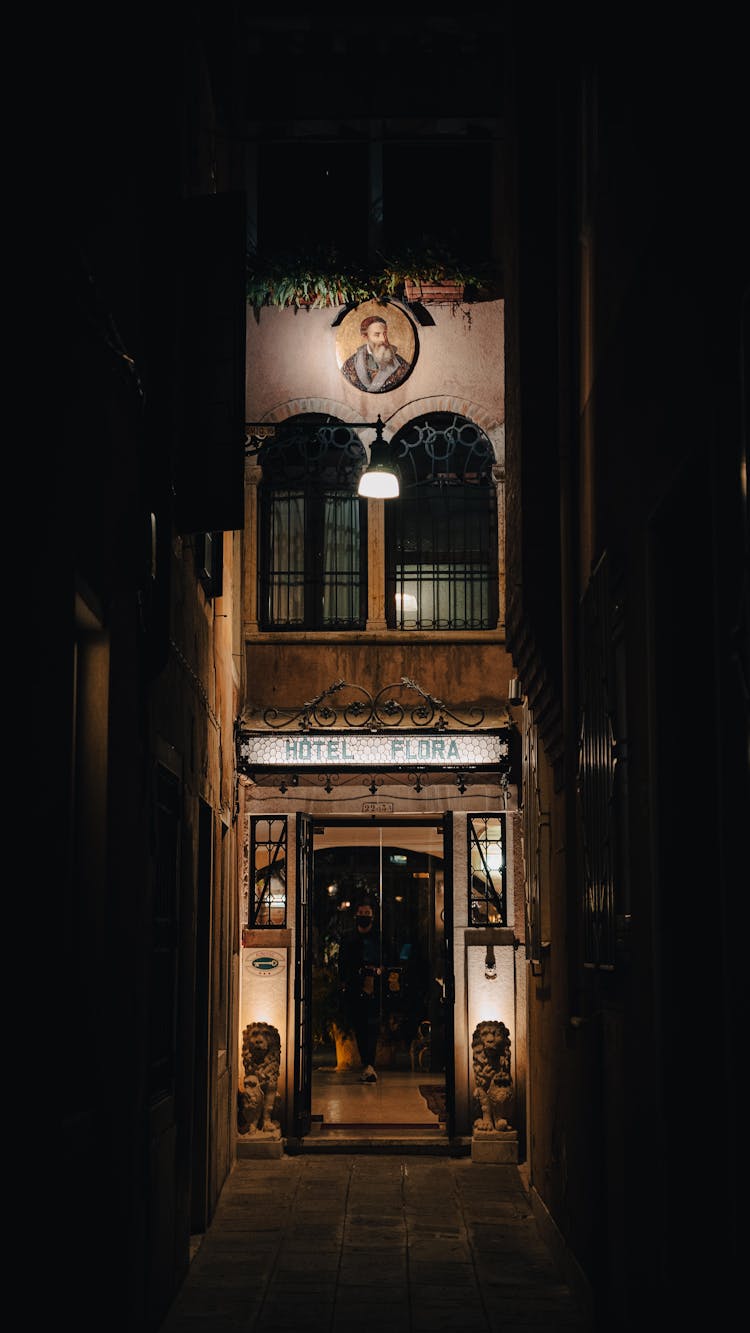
(376, 347)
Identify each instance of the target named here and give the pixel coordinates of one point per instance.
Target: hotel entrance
(380, 972)
(356, 806)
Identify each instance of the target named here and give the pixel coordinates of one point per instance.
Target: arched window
(313, 532)
(441, 533)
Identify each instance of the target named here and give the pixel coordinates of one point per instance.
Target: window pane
(341, 546)
(487, 870)
(313, 554)
(268, 872)
(286, 579)
(444, 560)
(452, 596)
(442, 531)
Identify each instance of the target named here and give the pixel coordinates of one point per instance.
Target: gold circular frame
(401, 335)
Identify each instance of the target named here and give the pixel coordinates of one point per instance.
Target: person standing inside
(360, 969)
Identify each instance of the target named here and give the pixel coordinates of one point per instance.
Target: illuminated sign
(483, 749)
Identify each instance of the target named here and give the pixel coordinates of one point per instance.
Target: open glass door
(449, 987)
(303, 980)
(396, 872)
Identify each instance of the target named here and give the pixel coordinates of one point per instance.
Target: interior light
(406, 602)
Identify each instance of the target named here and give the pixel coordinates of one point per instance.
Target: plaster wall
(476, 997)
(490, 998)
(193, 704)
(292, 368)
(281, 673)
(291, 357)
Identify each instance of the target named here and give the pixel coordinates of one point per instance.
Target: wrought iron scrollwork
(305, 446)
(444, 448)
(372, 712)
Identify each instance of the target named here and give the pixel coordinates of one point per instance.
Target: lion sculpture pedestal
(260, 1134)
(493, 1139)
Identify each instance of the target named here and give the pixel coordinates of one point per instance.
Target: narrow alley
(389, 640)
(408, 1243)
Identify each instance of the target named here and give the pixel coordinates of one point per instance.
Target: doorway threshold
(379, 1138)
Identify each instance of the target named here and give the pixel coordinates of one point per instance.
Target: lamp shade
(380, 484)
(380, 479)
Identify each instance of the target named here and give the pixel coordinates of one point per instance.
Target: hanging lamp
(380, 478)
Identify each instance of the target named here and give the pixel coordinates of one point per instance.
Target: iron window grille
(313, 529)
(268, 849)
(441, 533)
(487, 870)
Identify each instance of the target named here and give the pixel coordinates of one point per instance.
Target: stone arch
(493, 429)
(295, 407)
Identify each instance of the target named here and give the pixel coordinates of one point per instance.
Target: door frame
(302, 1107)
(449, 980)
(306, 826)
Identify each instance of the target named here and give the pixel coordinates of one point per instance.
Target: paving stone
(410, 1245)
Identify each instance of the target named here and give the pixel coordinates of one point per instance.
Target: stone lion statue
(250, 1104)
(261, 1057)
(492, 1078)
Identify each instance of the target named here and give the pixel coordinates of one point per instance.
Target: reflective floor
(340, 1100)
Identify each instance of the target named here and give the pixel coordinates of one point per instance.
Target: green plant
(429, 262)
(320, 278)
(323, 278)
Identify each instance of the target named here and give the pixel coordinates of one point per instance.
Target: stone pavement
(401, 1243)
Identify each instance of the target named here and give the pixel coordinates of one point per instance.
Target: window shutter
(209, 481)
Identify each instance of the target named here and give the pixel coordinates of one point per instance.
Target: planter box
(433, 293)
